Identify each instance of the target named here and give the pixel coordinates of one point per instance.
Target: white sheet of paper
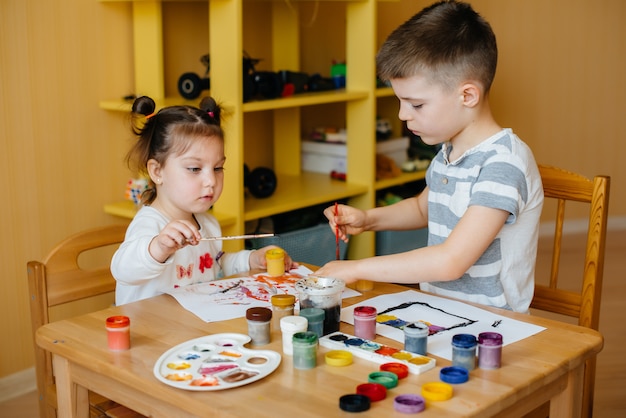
(453, 316)
(220, 300)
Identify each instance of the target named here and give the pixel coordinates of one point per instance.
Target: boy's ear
(471, 94)
(154, 171)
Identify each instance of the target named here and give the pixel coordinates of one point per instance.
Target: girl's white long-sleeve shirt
(140, 276)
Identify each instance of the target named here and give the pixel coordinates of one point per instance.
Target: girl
(181, 150)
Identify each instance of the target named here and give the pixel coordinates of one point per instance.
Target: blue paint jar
(464, 351)
(416, 338)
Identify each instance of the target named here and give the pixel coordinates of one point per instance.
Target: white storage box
(324, 157)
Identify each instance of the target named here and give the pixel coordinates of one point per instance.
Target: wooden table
(545, 366)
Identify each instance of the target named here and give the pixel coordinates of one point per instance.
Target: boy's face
(430, 111)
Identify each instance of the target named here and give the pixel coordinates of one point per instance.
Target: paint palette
(377, 352)
(214, 362)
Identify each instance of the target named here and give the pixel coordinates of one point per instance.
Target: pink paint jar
(118, 332)
(365, 322)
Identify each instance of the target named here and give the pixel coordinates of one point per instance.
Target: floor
(610, 401)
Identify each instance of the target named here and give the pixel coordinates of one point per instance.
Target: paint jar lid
(490, 338)
(464, 340)
(118, 321)
(416, 329)
(374, 391)
(409, 403)
(365, 312)
(454, 374)
(259, 314)
(283, 300)
(274, 254)
(313, 314)
(354, 403)
(305, 338)
(293, 323)
(437, 391)
(387, 379)
(399, 369)
(338, 358)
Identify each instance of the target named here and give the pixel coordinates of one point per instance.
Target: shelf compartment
(127, 209)
(401, 179)
(297, 192)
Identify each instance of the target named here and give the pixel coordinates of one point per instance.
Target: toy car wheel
(190, 85)
(262, 182)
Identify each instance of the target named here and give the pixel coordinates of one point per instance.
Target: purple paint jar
(489, 350)
(365, 322)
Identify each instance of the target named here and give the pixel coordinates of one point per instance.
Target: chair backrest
(584, 305)
(566, 186)
(60, 279)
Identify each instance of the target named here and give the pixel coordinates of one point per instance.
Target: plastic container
(375, 391)
(304, 350)
(118, 332)
(259, 325)
(464, 351)
(489, 350)
(416, 338)
(282, 306)
(323, 293)
(409, 403)
(275, 259)
(289, 325)
(315, 320)
(365, 322)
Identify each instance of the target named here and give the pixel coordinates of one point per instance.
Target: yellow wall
(560, 85)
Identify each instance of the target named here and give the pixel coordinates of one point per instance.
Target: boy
(483, 194)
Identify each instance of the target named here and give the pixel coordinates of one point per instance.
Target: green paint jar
(304, 350)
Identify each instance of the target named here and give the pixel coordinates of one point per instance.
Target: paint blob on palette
(214, 362)
(377, 352)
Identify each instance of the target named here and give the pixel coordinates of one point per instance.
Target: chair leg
(589, 387)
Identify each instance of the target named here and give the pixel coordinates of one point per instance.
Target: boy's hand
(348, 221)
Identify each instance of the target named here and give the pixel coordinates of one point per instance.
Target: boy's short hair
(448, 42)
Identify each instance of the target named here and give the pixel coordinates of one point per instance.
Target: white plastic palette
(377, 352)
(214, 362)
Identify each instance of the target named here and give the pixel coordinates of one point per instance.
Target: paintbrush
(231, 237)
(337, 253)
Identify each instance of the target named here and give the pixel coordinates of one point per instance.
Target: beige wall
(560, 85)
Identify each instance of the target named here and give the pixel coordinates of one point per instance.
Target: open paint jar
(323, 293)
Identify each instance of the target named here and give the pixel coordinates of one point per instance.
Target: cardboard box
(324, 157)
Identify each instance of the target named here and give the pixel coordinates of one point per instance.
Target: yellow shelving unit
(296, 189)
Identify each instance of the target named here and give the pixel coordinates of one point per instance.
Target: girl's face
(430, 111)
(193, 181)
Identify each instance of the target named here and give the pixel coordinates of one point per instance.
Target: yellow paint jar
(275, 259)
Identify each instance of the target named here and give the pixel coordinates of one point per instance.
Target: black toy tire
(262, 182)
(190, 85)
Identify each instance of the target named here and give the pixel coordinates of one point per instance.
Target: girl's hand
(176, 235)
(257, 259)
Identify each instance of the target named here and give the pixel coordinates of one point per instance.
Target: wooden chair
(58, 280)
(584, 304)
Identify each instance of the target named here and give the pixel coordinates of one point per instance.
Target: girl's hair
(170, 131)
(447, 42)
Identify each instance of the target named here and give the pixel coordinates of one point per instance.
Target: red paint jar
(118, 332)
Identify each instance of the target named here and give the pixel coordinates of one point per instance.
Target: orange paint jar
(118, 332)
